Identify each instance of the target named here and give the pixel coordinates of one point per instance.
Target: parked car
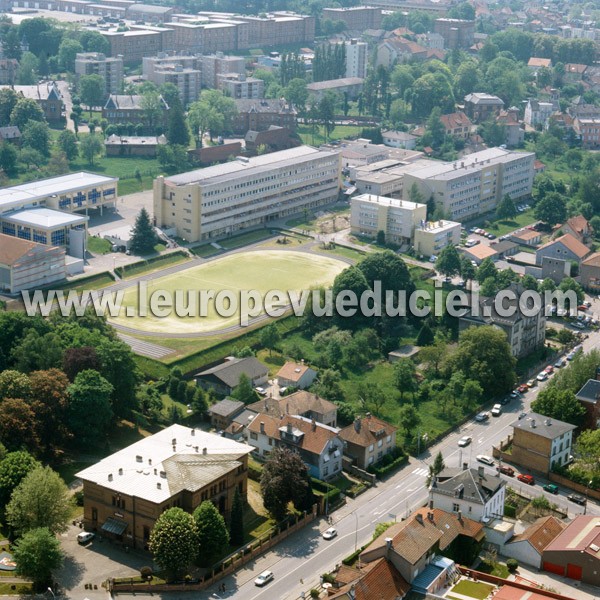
(542, 376)
(486, 460)
(505, 400)
(84, 537)
(577, 499)
(532, 383)
(559, 363)
(523, 388)
(528, 479)
(550, 487)
(264, 578)
(582, 307)
(587, 304)
(432, 258)
(465, 441)
(506, 470)
(579, 325)
(570, 356)
(514, 394)
(330, 533)
(522, 415)
(496, 410)
(482, 416)
(261, 390)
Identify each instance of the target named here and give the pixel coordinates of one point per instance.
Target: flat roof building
(109, 68)
(247, 192)
(432, 236)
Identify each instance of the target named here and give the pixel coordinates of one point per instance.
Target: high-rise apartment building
(109, 68)
(357, 59)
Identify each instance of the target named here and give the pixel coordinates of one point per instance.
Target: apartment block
(398, 219)
(134, 44)
(356, 18)
(214, 65)
(457, 33)
(185, 79)
(357, 58)
(241, 87)
(588, 130)
(433, 236)
(260, 115)
(109, 68)
(220, 200)
(475, 184)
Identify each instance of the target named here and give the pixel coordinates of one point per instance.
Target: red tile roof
(570, 242)
(541, 533)
(370, 429)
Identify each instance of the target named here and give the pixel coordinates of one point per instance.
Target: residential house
(575, 552)
(537, 113)
(566, 248)
(588, 131)
(126, 492)
(274, 139)
(133, 145)
(345, 85)
(129, 108)
(301, 403)
(399, 50)
(48, 97)
(480, 252)
(259, 115)
(223, 412)
(412, 545)
(479, 107)
(574, 72)
(525, 332)
(526, 237)
(589, 272)
(225, 377)
(579, 227)
(296, 375)
(539, 443)
(457, 125)
(528, 547)
(432, 236)
(589, 397)
(515, 133)
(368, 440)
(535, 64)
(319, 446)
(474, 493)
(11, 133)
(399, 139)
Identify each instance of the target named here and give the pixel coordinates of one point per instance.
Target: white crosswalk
(421, 472)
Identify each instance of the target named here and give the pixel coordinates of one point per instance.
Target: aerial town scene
(300, 299)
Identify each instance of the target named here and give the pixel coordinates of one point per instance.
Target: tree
(236, 525)
(38, 553)
(270, 337)
(36, 135)
(143, 236)
(467, 269)
(174, 541)
(569, 284)
(587, 451)
(93, 41)
(409, 419)
(90, 146)
(28, 69)
(213, 536)
(67, 51)
(551, 209)
(14, 467)
(91, 90)
(18, 425)
(42, 499)
(389, 269)
(178, 132)
(296, 93)
(506, 208)
(89, 412)
(243, 391)
(486, 269)
(202, 118)
(285, 479)
(350, 280)
(326, 113)
(14, 384)
(328, 385)
(405, 376)
(484, 354)
(425, 336)
(24, 111)
(8, 158)
(11, 44)
(435, 468)
(79, 359)
(472, 393)
(448, 261)
(559, 404)
(170, 92)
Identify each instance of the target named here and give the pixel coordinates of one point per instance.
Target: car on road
(571, 356)
(582, 307)
(261, 390)
(330, 533)
(486, 460)
(579, 325)
(550, 487)
(523, 388)
(514, 394)
(531, 383)
(465, 441)
(577, 499)
(506, 470)
(549, 369)
(84, 537)
(528, 479)
(432, 258)
(264, 578)
(560, 363)
(522, 415)
(482, 416)
(505, 400)
(496, 410)
(542, 376)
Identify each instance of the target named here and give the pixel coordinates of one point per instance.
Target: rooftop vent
(110, 477)
(158, 485)
(120, 471)
(138, 458)
(163, 474)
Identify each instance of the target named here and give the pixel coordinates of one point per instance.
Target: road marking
(421, 472)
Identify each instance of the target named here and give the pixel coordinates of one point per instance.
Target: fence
(578, 487)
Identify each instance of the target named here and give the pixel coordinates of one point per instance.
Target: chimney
(196, 449)
(368, 415)
(431, 504)
(204, 451)
(465, 466)
(158, 485)
(110, 477)
(289, 427)
(459, 515)
(174, 441)
(314, 425)
(357, 425)
(430, 516)
(388, 543)
(419, 518)
(532, 425)
(480, 471)
(193, 432)
(262, 426)
(120, 471)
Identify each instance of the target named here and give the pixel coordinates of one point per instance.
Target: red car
(523, 388)
(528, 479)
(549, 369)
(506, 470)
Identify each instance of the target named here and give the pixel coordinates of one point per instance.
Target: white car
(482, 416)
(264, 578)
(84, 537)
(542, 376)
(330, 533)
(486, 460)
(465, 441)
(497, 410)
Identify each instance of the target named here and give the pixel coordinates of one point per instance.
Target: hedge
(351, 559)
(510, 511)
(389, 463)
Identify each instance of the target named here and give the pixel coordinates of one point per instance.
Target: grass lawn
(244, 239)
(205, 251)
(96, 282)
(497, 569)
(149, 267)
(98, 245)
(474, 589)
(355, 255)
(260, 271)
(521, 220)
(15, 589)
(340, 132)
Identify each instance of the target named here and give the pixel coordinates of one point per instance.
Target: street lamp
(53, 595)
(587, 491)
(355, 532)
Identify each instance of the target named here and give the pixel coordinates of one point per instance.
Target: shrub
(78, 496)
(510, 511)
(314, 593)
(328, 578)
(389, 463)
(146, 573)
(512, 564)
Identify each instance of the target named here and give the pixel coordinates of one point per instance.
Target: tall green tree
(37, 554)
(243, 391)
(506, 209)
(143, 236)
(174, 541)
(435, 468)
(14, 467)
(8, 159)
(559, 404)
(552, 209)
(90, 147)
(270, 337)
(409, 419)
(67, 142)
(448, 261)
(36, 135)
(178, 132)
(42, 499)
(405, 376)
(67, 51)
(27, 73)
(24, 111)
(91, 90)
(236, 525)
(213, 536)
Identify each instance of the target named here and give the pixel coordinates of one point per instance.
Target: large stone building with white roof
(220, 200)
(126, 492)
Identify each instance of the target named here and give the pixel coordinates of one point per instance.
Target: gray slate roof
(542, 426)
(225, 408)
(590, 392)
(229, 372)
(474, 488)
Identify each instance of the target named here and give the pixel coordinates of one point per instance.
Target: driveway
(94, 563)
